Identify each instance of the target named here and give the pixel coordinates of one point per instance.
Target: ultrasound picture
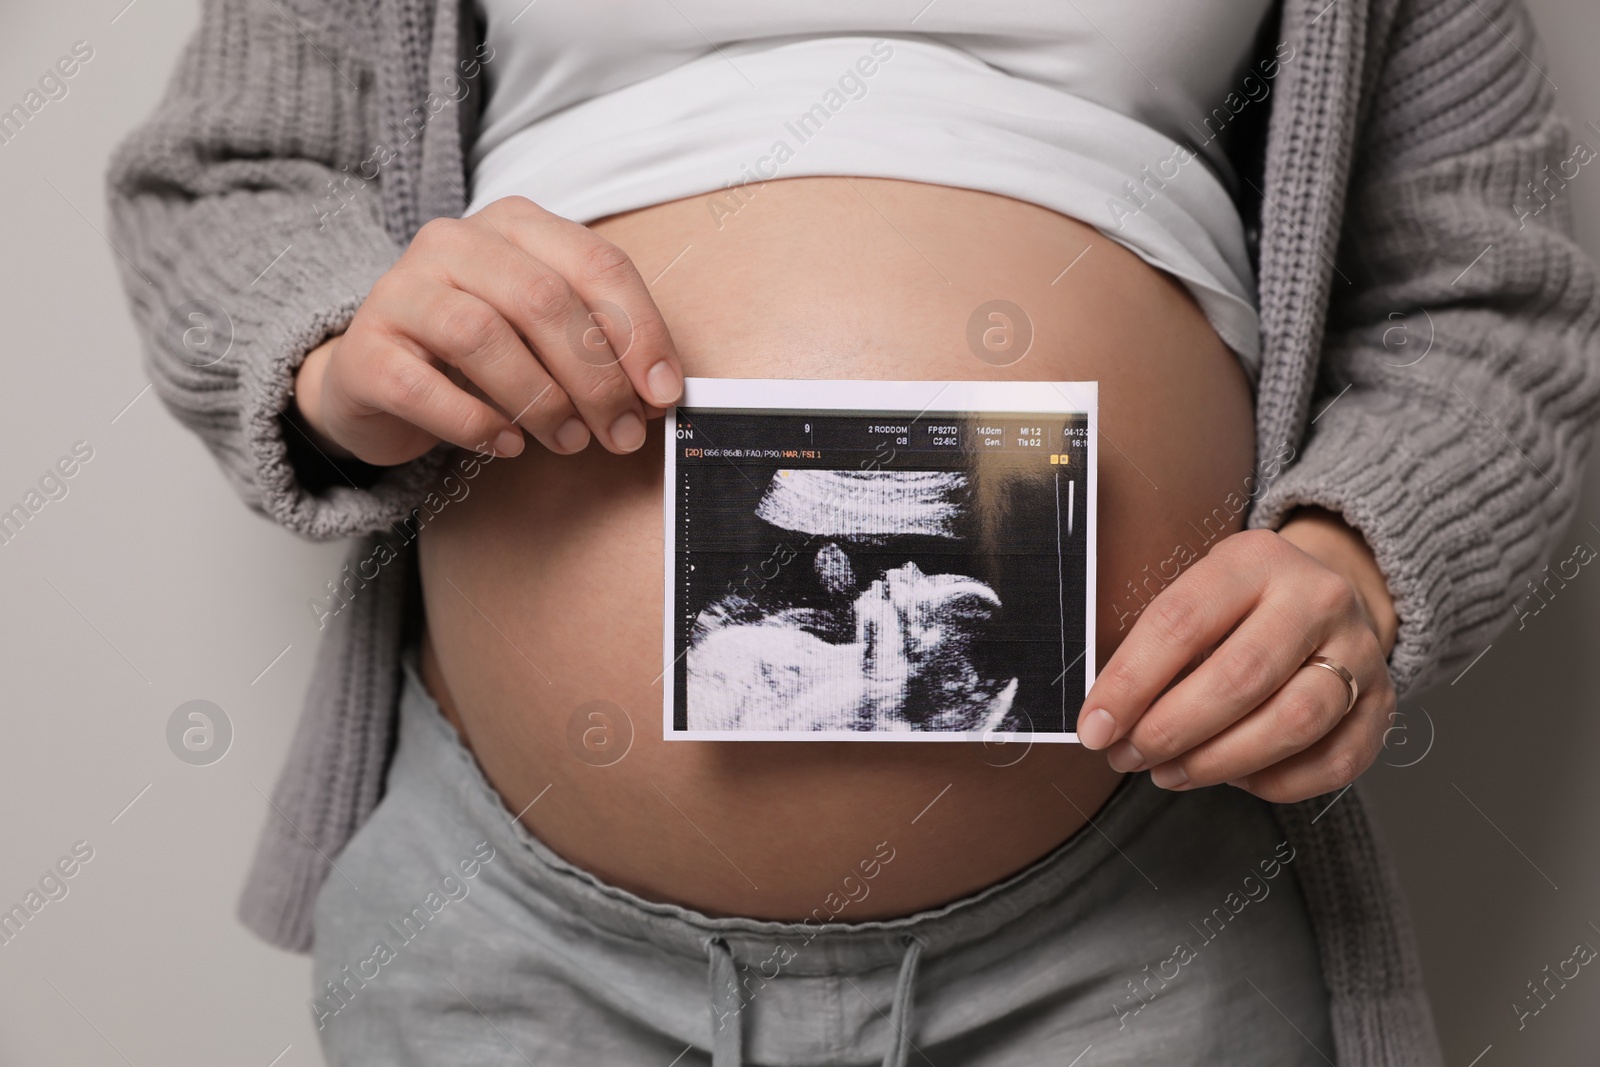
(886, 600)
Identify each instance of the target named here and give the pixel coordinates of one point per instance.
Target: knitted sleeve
(246, 214)
(1460, 377)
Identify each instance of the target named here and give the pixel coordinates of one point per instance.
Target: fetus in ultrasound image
(875, 600)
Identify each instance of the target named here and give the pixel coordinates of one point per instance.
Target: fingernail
(573, 435)
(1096, 728)
(509, 443)
(627, 433)
(1124, 757)
(664, 382)
(1169, 776)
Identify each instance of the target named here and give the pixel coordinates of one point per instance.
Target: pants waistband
(431, 751)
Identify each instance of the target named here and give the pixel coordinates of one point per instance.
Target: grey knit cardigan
(1410, 180)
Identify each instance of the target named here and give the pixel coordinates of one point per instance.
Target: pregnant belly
(543, 587)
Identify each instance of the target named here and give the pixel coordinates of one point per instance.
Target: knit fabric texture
(300, 145)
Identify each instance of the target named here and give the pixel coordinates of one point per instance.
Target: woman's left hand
(1250, 713)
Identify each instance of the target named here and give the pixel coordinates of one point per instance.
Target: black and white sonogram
(879, 560)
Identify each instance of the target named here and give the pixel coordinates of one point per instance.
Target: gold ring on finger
(1344, 675)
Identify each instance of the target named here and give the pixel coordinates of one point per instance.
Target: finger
(619, 301)
(1292, 621)
(1308, 707)
(471, 336)
(543, 308)
(392, 383)
(1185, 618)
(1330, 764)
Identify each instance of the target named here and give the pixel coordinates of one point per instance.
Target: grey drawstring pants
(1171, 931)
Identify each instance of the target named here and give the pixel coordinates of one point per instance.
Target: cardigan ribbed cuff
(306, 317)
(1457, 453)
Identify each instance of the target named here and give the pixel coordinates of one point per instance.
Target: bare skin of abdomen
(543, 587)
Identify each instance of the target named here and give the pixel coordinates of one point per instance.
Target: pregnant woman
(464, 256)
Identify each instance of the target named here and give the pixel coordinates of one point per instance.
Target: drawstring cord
(900, 1014)
(726, 1015)
(726, 1018)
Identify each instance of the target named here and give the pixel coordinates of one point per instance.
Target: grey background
(149, 585)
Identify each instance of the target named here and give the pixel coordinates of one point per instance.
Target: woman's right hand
(511, 317)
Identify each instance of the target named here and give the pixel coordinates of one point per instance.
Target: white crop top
(1107, 111)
